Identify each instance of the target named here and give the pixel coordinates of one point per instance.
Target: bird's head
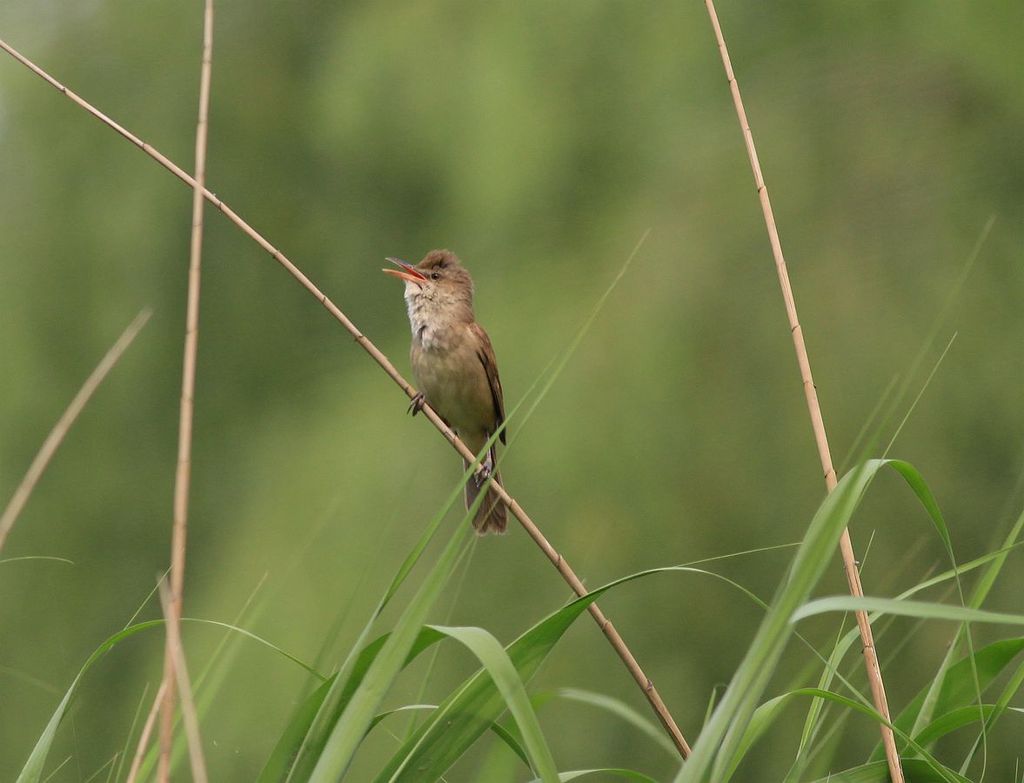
(440, 277)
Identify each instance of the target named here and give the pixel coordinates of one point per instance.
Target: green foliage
(539, 141)
(878, 772)
(473, 707)
(347, 732)
(32, 772)
(622, 711)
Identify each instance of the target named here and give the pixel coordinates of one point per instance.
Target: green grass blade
(304, 757)
(48, 558)
(32, 772)
(213, 674)
(57, 769)
(559, 365)
(816, 711)
(1011, 689)
(126, 750)
(718, 746)
(467, 713)
(568, 351)
(769, 712)
(498, 665)
(347, 733)
(108, 767)
(951, 721)
(605, 773)
(956, 689)
(718, 742)
(382, 716)
(923, 609)
(853, 635)
(512, 741)
(500, 731)
(284, 753)
(472, 707)
(978, 596)
(924, 494)
(427, 676)
(623, 711)
(878, 772)
(282, 758)
(761, 720)
(259, 639)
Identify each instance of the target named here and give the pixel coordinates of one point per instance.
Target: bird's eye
(435, 276)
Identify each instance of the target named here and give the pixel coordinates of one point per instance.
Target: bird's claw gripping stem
(417, 403)
(484, 471)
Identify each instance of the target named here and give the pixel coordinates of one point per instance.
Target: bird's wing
(486, 355)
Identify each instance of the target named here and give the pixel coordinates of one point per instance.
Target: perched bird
(454, 365)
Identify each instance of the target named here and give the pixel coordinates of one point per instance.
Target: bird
(455, 368)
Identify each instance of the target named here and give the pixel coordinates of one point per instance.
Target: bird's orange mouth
(406, 272)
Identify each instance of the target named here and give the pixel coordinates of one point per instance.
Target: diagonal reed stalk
(181, 680)
(60, 429)
(874, 672)
(645, 684)
(147, 729)
(188, 384)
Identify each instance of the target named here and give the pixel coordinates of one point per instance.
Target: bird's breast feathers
(451, 376)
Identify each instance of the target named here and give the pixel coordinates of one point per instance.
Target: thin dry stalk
(147, 729)
(60, 429)
(188, 383)
(188, 705)
(618, 644)
(817, 423)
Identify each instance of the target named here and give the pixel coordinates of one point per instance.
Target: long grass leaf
(498, 665)
(978, 596)
(605, 773)
(719, 743)
(303, 758)
(878, 772)
(839, 650)
(348, 732)
(214, 672)
(956, 688)
(33, 770)
(1002, 705)
(766, 714)
(925, 609)
(282, 758)
(500, 731)
(623, 711)
(722, 734)
(126, 751)
(951, 721)
(472, 707)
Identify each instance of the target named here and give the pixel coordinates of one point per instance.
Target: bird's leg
(486, 468)
(417, 403)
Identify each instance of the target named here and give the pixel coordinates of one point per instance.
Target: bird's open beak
(405, 272)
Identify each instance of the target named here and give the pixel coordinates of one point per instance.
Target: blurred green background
(539, 141)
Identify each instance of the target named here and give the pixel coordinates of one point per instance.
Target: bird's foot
(417, 404)
(484, 471)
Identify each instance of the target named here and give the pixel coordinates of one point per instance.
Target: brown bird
(454, 365)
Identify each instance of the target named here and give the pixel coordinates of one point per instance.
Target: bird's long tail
(491, 516)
